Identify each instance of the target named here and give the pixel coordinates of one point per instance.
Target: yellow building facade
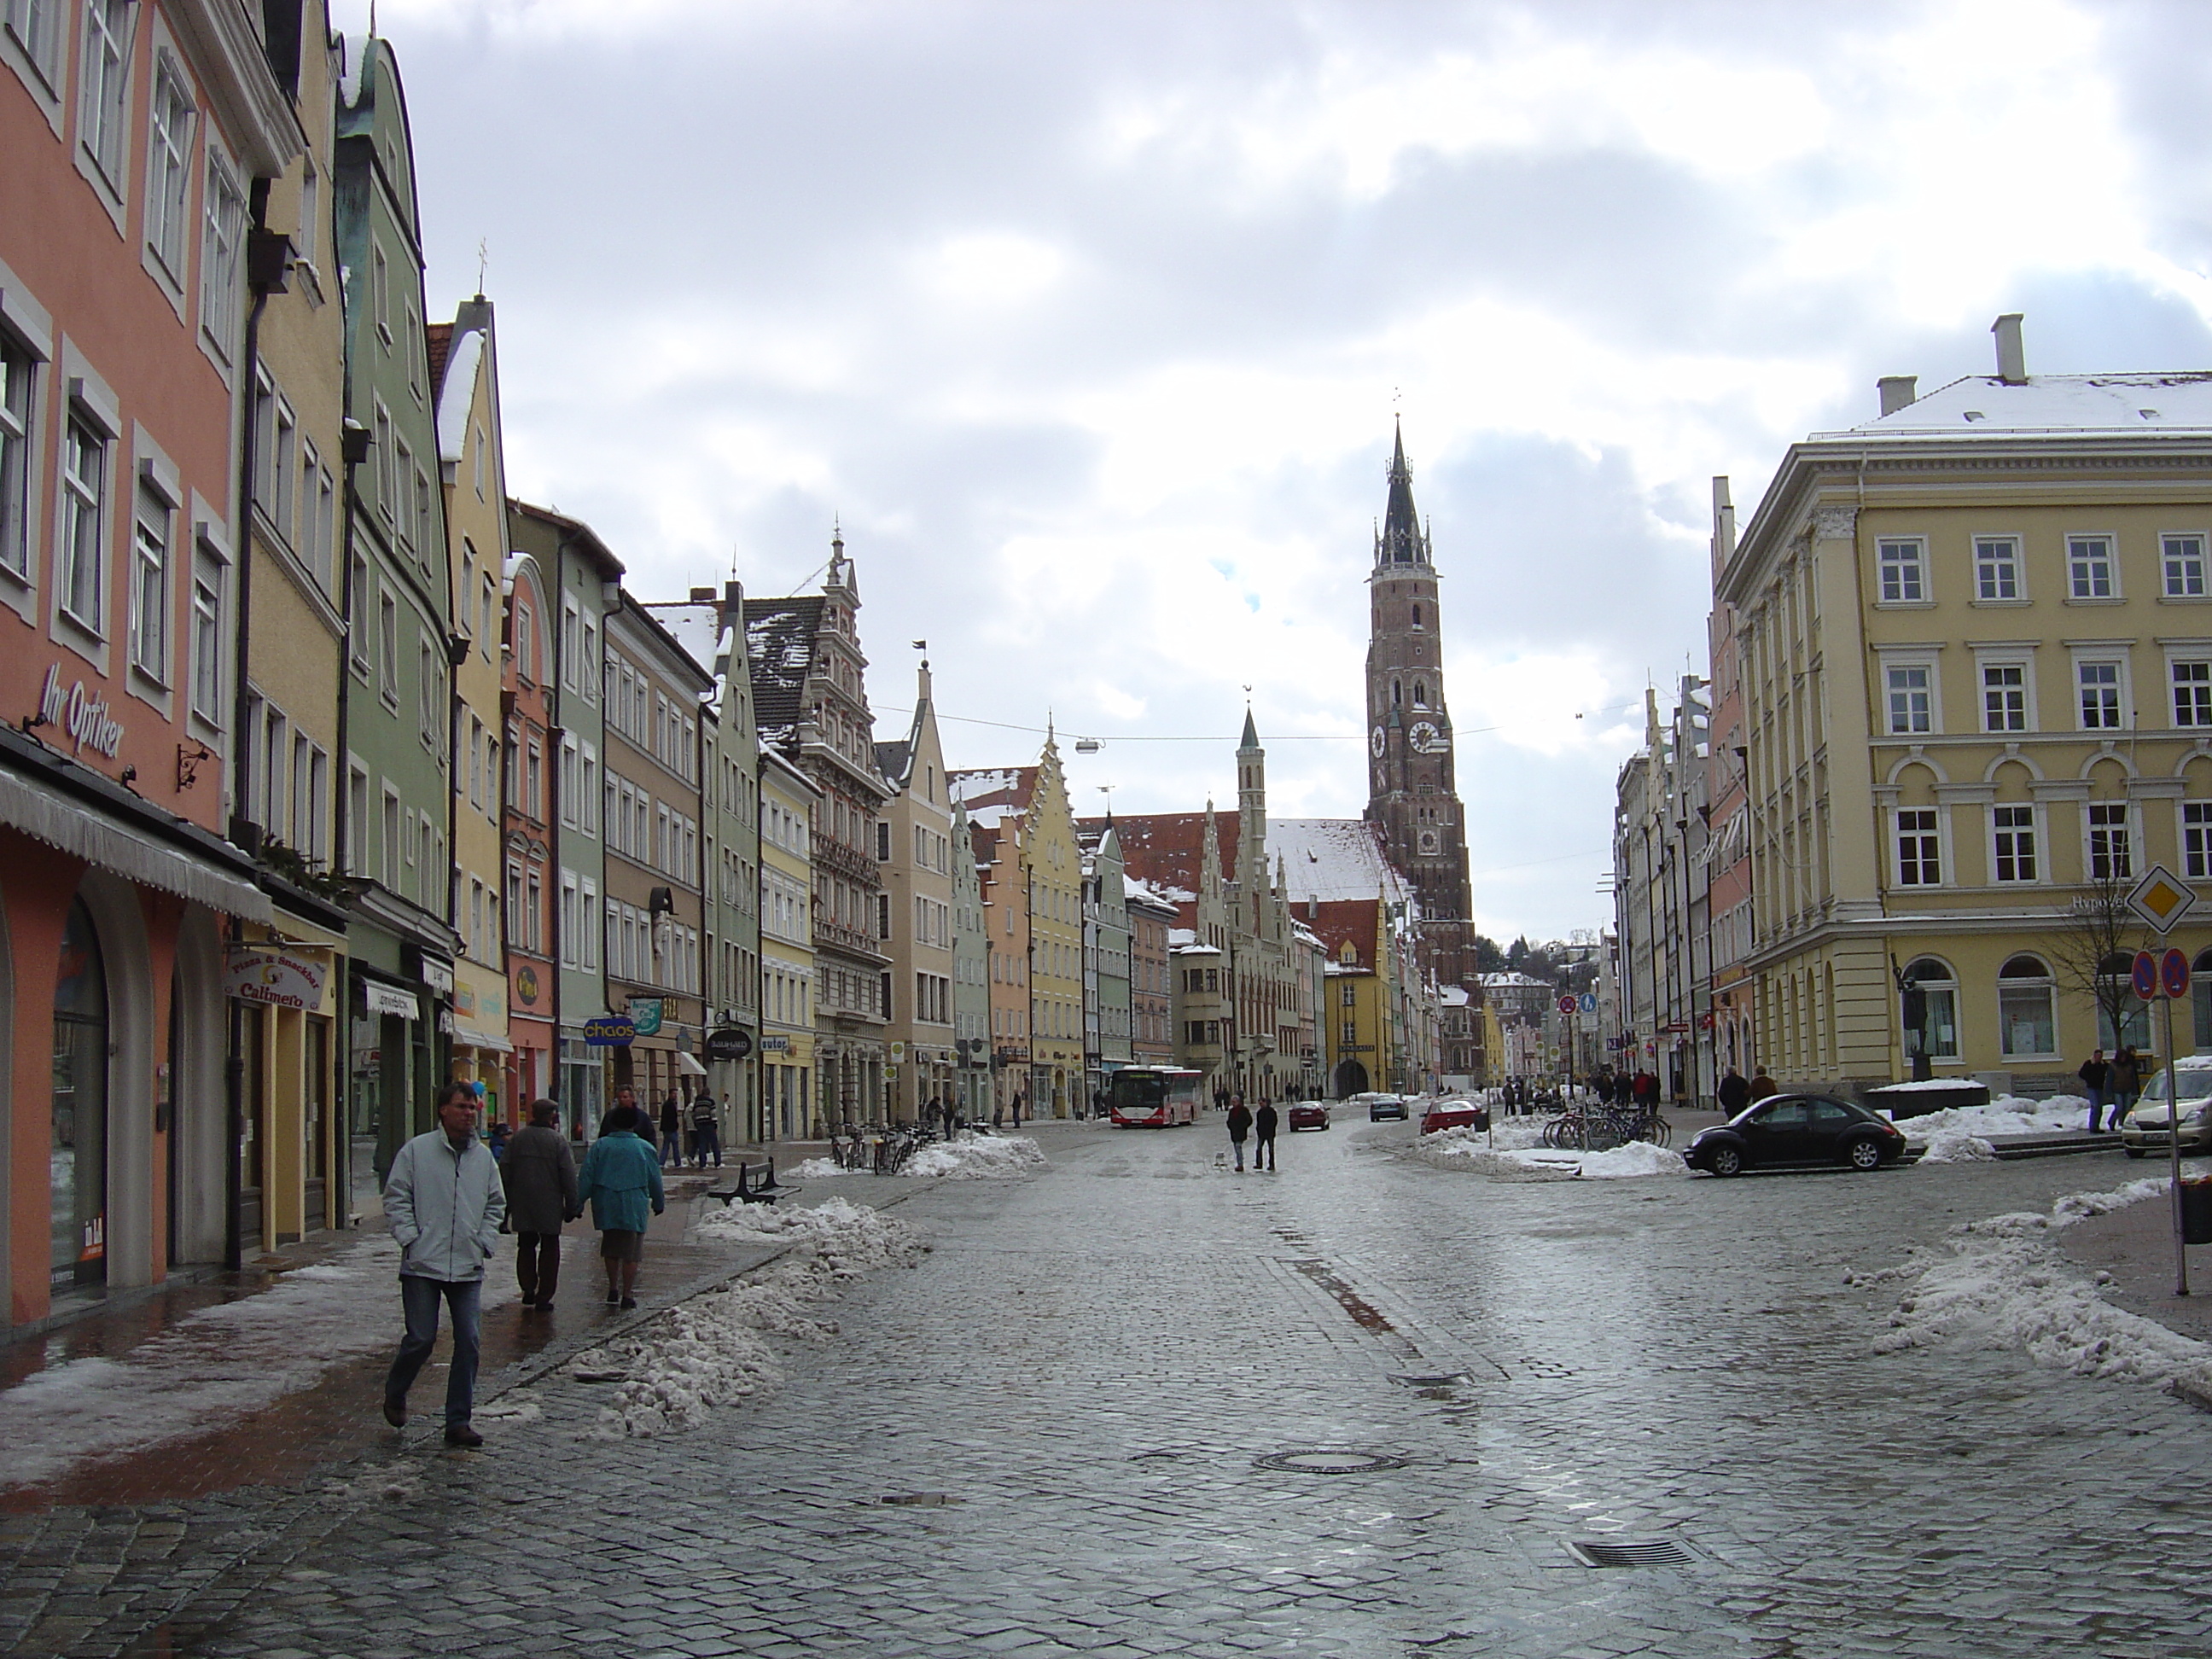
(788, 798)
(1976, 648)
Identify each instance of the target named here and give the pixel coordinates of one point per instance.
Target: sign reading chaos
(609, 1031)
(645, 1014)
(729, 1044)
(273, 977)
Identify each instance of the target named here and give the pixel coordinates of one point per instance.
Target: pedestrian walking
(705, 1130)
(671, 1130)
(496, 1139)
(445, 1202)
(1734, 1093)
(2123, 1083)
(539, 1173)
(2094, 1072)
(1263, 1137)
(1763, 1085)
(621, 1176)
(1240, 1124)
(1020, 1100)
(998, 1115)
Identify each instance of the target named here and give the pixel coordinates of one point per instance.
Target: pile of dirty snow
(714, 1349)
(820, 1168)
(977, 1158)
(1512, 1134)
(1960, 1135)
(1472, 1149)
(2001, 1283)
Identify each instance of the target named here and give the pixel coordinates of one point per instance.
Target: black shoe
(460, 1434)
(613, 1299)
(629, 1302)
(544, 1304)
(395, 1412)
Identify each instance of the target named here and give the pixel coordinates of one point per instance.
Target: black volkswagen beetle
(1797, 1129)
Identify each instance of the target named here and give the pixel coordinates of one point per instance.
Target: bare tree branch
(2094, 948)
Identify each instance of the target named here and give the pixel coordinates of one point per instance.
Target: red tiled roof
(439, 340)
(1340, 920)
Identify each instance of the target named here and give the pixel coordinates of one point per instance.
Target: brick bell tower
(1411, 789)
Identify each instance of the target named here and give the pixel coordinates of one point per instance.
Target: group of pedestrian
(1259, 1126)
(2116, 1083)
(691, 1130)
(448, 1198)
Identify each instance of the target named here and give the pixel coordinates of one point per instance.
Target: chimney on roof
(2012, 356)
(703, 596)
(1902, 390)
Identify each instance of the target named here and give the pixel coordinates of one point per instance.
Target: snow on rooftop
(457, 393)
(1982, 405)
(1332, 858)
(696, 627)
(973, 786)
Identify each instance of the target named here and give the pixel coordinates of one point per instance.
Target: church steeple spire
(1401, 541)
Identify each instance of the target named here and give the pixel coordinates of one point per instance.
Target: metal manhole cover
(1329, 1460)
(1659, 1552)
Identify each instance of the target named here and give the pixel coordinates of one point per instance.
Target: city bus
(1148, 1098)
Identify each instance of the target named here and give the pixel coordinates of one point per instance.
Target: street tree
(2094, 948)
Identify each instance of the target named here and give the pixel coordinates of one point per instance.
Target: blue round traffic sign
(2174, 974)
(2146, 976)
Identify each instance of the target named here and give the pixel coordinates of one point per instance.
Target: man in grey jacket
(445, 1202)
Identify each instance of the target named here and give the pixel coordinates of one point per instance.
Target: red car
(1453, 1115)
(1309, 1114)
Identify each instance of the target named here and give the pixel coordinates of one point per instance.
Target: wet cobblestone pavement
(1065, 1433)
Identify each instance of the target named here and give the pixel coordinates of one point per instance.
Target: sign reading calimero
(276, 978)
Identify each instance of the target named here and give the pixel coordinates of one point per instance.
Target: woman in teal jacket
(620, 1175)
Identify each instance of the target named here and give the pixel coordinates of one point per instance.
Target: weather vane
(483, 258)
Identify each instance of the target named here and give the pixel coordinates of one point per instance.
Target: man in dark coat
(705, 1130)
(671, 1130)
(1263, 1136)
(1734, 1093)
(1240, 1124)
(540, 1175)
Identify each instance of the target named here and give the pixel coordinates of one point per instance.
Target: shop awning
(688, 1064)
(465, 1038)
(389, 999)
(110, 842)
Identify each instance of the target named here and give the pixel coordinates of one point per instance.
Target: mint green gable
(396, 701)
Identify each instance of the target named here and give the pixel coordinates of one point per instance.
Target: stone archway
(1349, 1078)
(196, 1175)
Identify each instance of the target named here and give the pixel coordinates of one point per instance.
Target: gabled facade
(1002, 882)
(473, 483)
(581, 578)
(914, 839)
(809, 685)
(1033, 799)
(529, 872)
(1152, 1008)
(712, 629)
(1108, 1010)
(400, 625)
(971, 970)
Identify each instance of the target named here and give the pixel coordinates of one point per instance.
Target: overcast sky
(1089, 322)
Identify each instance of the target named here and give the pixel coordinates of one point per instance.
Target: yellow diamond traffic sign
(2160, 899)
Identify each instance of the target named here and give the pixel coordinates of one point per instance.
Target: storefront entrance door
(77, 1160)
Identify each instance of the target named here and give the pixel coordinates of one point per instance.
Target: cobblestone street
(1077, 1427)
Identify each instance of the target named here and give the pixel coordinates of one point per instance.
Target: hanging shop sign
(776, 1044)
(609, 1031)
(438, 975)
(84, 714)
(645, 1013)
(729, 1044)
(275, 978)
(389, 999)
(526, 987)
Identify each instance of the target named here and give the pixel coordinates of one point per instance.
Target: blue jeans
(1237, 1145)
(2096, 1106)
(420, 1297)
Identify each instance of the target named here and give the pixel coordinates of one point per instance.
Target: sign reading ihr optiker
(84, 714)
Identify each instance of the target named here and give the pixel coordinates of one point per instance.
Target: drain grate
(919, 1500)
(1329, 1460)
(1658, 1552)
(1446, 1380)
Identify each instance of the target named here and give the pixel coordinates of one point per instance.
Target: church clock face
(1375, 741)
(1427, 741)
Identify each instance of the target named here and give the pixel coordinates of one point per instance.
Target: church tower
(1413, 792)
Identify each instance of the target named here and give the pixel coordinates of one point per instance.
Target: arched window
(1417, 613)
(1938, 1034)
(1420, 694)
(1394, 694)
(2028, 1021)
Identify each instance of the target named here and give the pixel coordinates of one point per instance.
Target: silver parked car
(2147, 1125)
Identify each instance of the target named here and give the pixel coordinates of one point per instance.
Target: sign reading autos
(274, 977)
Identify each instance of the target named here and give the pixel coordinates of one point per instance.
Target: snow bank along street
(1385, 1402)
